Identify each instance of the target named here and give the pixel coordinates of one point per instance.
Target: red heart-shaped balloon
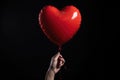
(60, 26)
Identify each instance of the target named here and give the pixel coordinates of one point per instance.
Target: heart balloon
(59, 25)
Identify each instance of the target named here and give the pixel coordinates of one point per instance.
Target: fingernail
(58, 52)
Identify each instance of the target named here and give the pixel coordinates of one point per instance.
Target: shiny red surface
(60, 25)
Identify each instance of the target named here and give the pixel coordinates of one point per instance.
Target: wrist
(51, 70)
(50, 74)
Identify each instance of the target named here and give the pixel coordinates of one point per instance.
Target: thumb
(56, 56)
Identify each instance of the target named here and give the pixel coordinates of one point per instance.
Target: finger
(58, 64)
(56, 56)
(62, 59)
(61, 64)
(61, 56)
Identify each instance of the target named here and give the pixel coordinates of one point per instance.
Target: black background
(26, 51)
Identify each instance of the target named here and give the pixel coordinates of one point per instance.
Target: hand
(57, 61)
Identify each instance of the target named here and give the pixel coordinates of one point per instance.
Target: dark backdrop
(26, 51)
